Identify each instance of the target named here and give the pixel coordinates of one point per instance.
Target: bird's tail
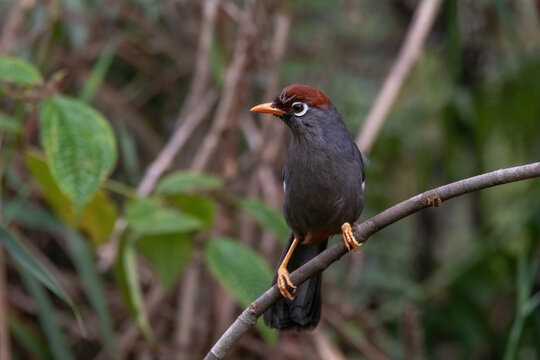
(304, 311)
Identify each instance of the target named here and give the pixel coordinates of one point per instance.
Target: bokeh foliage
(90, 93)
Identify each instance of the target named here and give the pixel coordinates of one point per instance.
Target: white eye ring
(304, 108)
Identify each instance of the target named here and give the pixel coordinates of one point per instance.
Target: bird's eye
(299, 108)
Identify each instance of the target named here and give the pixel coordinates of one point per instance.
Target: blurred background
(183, 227)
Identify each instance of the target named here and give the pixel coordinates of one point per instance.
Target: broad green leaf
(186, 181)
(198, 206)
(79, 145)
(266, 216)
(85, 263)
(56, 339)
(9, 125)
(242, 272)
(18, 71)
(147, 217)
(239, 269)
(128, 282)
(97, 219)
(168, 254)
(30, 264)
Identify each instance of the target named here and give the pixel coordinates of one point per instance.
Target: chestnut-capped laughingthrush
(323, 179)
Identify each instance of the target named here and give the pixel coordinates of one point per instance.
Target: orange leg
(283, 278)
(349, 239)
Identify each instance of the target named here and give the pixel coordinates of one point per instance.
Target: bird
(323, 181)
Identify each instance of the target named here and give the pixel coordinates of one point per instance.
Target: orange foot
(283, 280)
(348, 237)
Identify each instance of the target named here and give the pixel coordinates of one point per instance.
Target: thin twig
(200, 79)
(362, 232)
(362, 344)
(5, 348)
(187, 303)
(423, 19)
(177, 141)
(324, 346)
(5, 345)
(411, 333)
(225, 111)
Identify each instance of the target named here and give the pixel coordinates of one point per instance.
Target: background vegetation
(140, 200)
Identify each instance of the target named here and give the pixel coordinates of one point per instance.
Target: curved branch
(362, 232)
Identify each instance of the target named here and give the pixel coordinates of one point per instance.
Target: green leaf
(531, 304)
(18, 71)
(147, 217)
(168, 255)
(128, 282)
(217, 61)
(239, 269)
(266, 216)
(98, 217)
(30, 264)
(85, 264)
(79, 145)
(242, 272)
(186, 181)
(99, 70)
(28, 339)
(198, 206)
(49, 324)
(9, 125)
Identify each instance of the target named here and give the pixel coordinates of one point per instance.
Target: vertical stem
(515, 334)
(423, 19)
(4, 331)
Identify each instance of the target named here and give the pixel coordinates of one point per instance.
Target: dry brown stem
(232, 89)
(408, 54)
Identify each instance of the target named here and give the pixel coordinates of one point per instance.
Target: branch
(362, 232)
(424, 16)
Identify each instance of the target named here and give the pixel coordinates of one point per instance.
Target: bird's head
(301, 107)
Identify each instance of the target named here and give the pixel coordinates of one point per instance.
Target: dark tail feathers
(304, 311)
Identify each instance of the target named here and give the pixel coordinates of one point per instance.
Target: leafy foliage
(79, 145)
(55, 336)
(469, 105)
(30, 264)
(186, 181)
(128, 281)
(18, 71)
(86, 267)
(238, 269)
(97, 218)
(169, 254)
(241, 271)
(266, 216)
(197, 206)
(7, 124)
(147, 217)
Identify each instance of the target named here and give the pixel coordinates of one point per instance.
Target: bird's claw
(348, 238)
(283, 280)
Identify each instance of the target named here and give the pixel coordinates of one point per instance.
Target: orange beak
(267, 108)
